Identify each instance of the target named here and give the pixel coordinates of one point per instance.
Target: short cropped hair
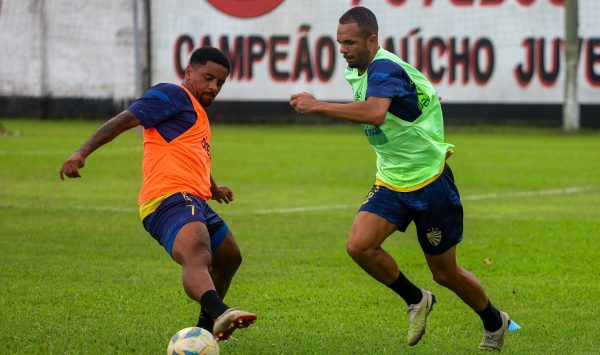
(209, 54)
(364, 18)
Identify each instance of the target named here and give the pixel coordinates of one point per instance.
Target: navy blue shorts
(436, 210)
(178, 210)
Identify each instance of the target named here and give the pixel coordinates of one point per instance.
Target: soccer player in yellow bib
(400, 114)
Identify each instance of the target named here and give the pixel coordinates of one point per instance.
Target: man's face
(354, 47)
(206, 81)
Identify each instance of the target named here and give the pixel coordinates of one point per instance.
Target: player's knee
(356, 250)
(200, 257)
(195, 253)
(440, 279)
(235, 260)
(446, 278)
(234, 255)
(227, 258)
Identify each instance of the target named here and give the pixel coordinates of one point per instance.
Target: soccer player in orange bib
(177, 183)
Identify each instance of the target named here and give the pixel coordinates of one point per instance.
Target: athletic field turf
(79, 275)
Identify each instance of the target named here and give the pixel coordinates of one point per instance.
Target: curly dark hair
(206, 54)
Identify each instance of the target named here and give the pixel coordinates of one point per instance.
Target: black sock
(205, 321)
(212, 304)
(405, 289)
(491, 318)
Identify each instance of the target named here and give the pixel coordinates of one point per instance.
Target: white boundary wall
(67, 48)
(84, 49)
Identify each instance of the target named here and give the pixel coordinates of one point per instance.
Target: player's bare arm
(372, 111)
(220, 193)
(109, 131)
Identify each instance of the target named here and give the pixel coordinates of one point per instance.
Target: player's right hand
(71, 166)
(303, 102)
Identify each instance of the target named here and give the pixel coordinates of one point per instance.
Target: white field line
(306, 209)
(66, 153)
(490, 196)
(563, 191)
(70, 208)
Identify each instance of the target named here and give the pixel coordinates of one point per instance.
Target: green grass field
(79, 275)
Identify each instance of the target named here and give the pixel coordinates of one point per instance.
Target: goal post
(571, 109)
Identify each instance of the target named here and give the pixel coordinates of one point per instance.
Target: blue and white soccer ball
(193, 341)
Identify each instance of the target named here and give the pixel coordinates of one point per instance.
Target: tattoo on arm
(109, 131)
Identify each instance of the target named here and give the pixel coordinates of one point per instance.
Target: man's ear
(188, 71)
(373, 41)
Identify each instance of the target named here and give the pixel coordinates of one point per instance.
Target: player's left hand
(222, 194)
(303, 103)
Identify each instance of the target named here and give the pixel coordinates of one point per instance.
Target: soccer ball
(193, 341)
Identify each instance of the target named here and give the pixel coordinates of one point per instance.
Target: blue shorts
(178, 210)
(436, 210)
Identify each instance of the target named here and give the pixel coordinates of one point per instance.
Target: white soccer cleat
(492, 341)
(232, 319)
(418, 317)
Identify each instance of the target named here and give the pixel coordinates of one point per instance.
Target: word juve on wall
(546, 65)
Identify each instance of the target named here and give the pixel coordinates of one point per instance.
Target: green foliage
(79, 274)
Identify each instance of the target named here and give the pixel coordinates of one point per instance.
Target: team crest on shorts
(434, 236)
